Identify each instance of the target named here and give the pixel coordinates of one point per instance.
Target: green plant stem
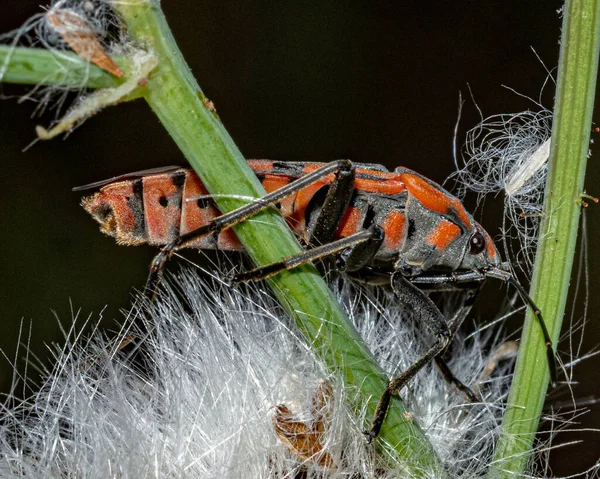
(577, 73)
(35, 66)
(176, 98)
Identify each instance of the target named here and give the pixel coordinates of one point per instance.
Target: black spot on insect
(176, 199)
(103, 212)
(136, 204)
(178, 179)
(280, 165)
(369, 216)
(411, 229)
(287, 168)
(138, 190)
(163, 201)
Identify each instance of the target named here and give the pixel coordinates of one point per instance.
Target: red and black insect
(398, 224)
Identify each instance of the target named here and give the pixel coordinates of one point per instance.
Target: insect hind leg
(362, 246)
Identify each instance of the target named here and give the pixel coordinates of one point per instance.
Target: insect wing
(128, 176)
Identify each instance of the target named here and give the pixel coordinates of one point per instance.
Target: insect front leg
(494, 272)
(454, 323)
(423, 309)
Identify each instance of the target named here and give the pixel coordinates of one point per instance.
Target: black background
(370, 81)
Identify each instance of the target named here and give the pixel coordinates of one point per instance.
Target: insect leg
(454, 324)
(426, 310)
(322, 232)
(371, 238)
(509, 279)
(336, 203)
(452, 379)
(236, 216)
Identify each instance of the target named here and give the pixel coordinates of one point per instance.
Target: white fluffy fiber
(508, 153)
(221, 359)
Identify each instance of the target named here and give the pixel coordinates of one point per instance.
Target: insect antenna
(511, 280)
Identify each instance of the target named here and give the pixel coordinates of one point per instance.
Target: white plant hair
(508, 154)
(219, 361)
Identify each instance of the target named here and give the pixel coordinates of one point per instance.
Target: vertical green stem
(577, 73)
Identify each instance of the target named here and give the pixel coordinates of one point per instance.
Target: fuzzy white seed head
(220, 366)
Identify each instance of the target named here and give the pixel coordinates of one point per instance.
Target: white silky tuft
(220, 361)
(508, 153)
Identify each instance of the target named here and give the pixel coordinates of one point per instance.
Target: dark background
(370, 81)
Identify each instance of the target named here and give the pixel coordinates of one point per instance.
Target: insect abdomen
(159, 207)
(178, 203)
(153, 209)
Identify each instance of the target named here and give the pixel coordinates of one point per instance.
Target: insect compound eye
(476, 243)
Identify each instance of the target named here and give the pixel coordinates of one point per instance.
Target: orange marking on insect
(383, 187)
(394, 225)
(433, 199)
(443, 234)
(310, 167)
(274, 182)
(228, 241)
(76, 33)
(489, 246)
(162, 207)
(386, 175)
(261, 165)
(351, 222)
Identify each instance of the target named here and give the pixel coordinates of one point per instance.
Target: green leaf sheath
(35, 66)
(577, 73)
